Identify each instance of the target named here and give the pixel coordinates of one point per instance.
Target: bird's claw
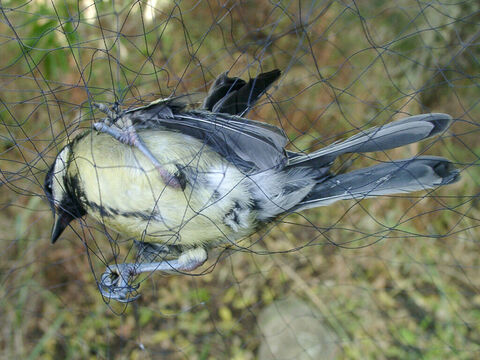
(115, 283)
(113, 113)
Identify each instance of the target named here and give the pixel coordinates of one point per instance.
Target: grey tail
(388, 178)
(389, 136)
(235, 96)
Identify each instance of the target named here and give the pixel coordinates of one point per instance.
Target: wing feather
(250, 145)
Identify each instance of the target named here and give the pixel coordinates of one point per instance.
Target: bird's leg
(115, 281)
(150, 252)
(126, 134)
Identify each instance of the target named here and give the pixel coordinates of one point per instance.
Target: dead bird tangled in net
(183, 181)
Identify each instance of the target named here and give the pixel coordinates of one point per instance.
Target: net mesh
(390, 277)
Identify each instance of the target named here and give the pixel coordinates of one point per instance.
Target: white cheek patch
(59, 172)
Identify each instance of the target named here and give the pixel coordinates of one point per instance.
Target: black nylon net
(390, 277)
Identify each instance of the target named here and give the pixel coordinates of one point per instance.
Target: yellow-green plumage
(127, 194)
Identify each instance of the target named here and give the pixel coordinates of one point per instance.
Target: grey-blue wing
(251, 145)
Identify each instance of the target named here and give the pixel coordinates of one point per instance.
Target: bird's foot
(113, 114)
(116, 281)
(125, 132)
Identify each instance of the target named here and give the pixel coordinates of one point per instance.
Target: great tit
(181, 181)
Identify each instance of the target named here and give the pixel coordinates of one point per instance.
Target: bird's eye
(49, 183)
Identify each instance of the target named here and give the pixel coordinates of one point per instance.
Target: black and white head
(61, 192)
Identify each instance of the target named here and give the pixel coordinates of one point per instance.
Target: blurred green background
(395, 277)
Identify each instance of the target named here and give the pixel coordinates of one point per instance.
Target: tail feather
(389, 136)
(235, 96)
(394, 177)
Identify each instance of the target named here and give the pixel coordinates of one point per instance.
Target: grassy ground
(394, 277)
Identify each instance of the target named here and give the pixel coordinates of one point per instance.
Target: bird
(181, 180)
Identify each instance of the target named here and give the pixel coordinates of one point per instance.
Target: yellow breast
(123, 189)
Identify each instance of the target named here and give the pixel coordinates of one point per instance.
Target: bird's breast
(123, 190)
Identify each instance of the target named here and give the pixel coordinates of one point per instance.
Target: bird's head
(61, 189)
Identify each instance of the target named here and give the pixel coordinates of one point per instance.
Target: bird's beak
(61, 222)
